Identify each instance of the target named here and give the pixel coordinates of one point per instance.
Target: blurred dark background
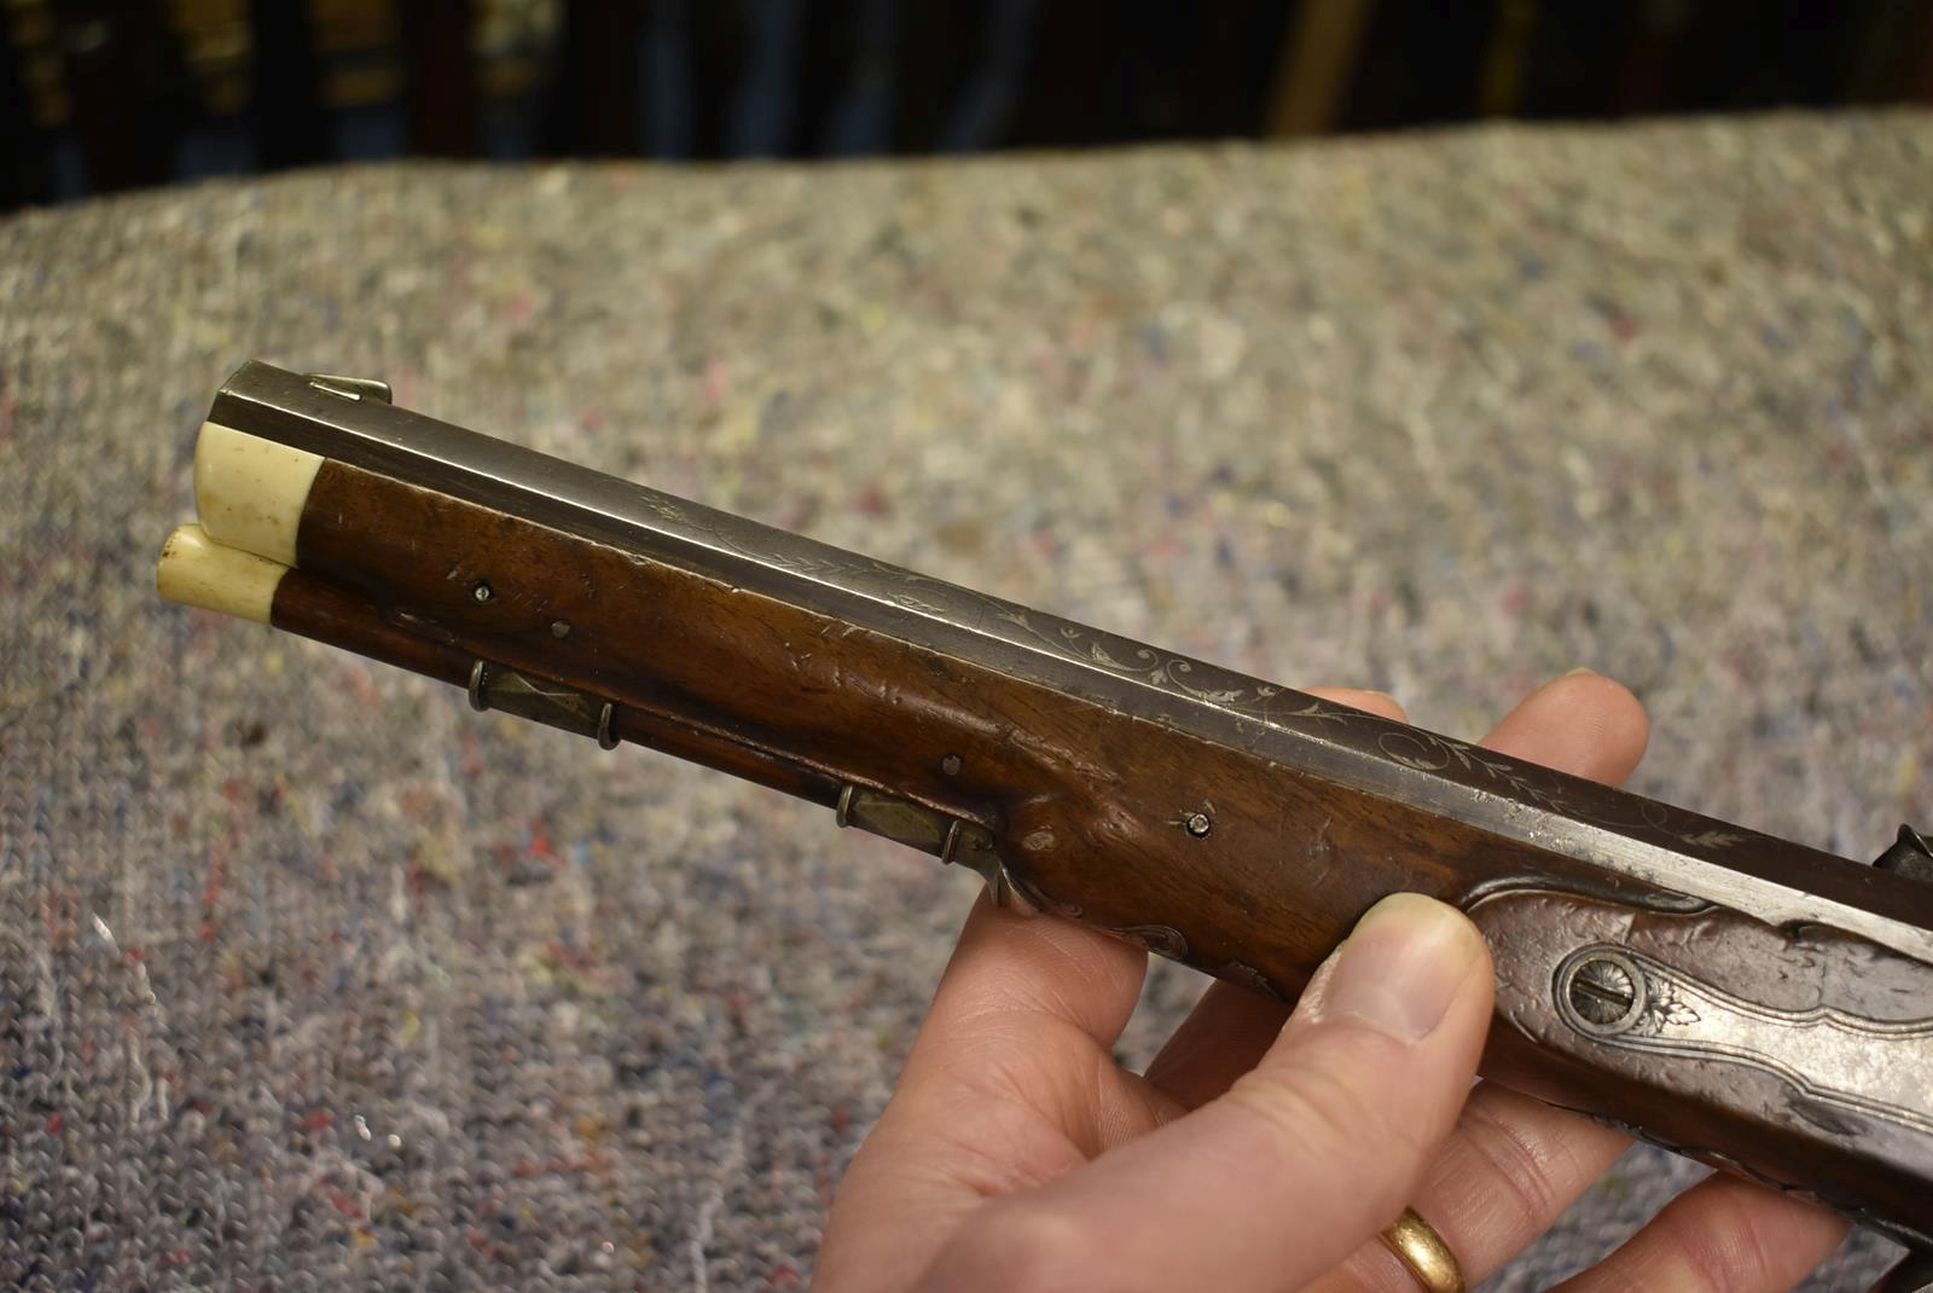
(104, 95)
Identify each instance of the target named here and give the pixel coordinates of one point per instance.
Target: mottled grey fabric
(312, 978)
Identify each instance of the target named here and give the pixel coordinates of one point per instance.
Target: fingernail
(1401, 968)
(1581, 670)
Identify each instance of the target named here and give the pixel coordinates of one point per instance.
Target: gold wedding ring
(1424, 1254)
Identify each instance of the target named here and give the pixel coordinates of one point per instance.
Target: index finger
(1011, 1084)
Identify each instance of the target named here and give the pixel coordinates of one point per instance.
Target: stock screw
(1602, 991)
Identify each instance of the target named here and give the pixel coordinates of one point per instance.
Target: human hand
(1259, 1154)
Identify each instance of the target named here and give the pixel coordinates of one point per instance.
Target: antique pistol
(1759, 1005)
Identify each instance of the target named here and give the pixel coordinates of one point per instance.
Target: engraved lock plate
(1785, 1053)
(1828, 1057)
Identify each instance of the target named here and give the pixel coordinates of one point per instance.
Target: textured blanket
(310, 978)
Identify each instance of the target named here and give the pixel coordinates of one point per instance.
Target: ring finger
(1503, 1178)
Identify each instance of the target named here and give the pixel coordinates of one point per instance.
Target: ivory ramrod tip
(196, 571)
(250, 492)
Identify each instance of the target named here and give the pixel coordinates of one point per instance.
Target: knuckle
(1722, 1250)
(1704, 1242)
(1523, 1170)
(1323, 1101)
(1025, 1250)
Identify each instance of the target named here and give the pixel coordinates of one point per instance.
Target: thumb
(1304, 1158)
